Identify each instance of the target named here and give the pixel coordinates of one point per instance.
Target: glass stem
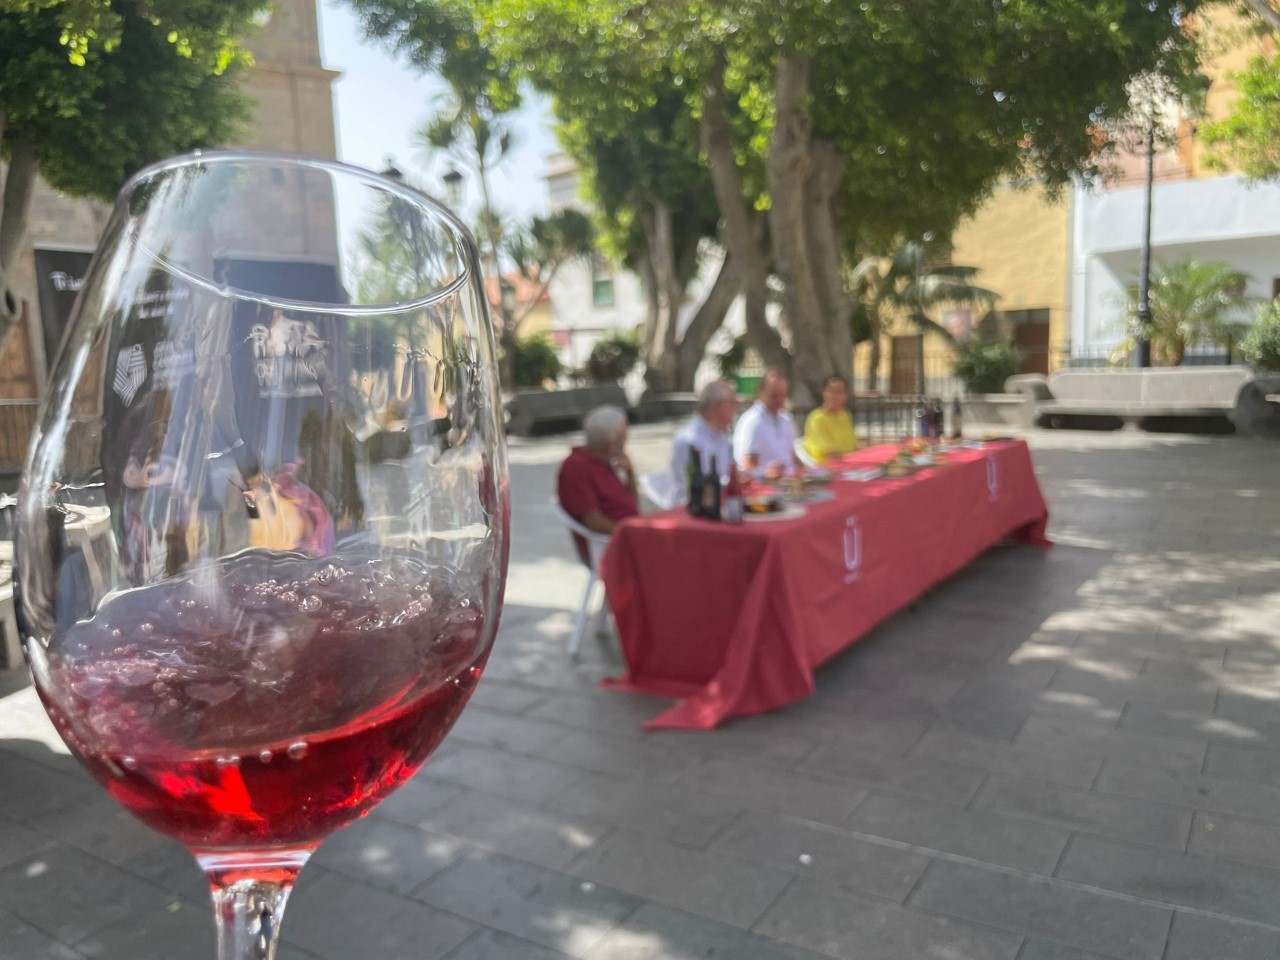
(249, 894)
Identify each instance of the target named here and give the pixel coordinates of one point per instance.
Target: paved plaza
(1065, 754)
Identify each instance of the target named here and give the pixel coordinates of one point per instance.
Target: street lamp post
(453, 187)
(1142, 341)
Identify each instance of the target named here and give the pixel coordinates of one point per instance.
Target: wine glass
(262, 537)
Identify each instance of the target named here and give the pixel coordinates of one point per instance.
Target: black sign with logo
(59, 274)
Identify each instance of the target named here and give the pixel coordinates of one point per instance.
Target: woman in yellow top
(828, 431)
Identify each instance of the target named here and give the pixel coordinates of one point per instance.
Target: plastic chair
(659, 489)
(803, 455)
(596, 543)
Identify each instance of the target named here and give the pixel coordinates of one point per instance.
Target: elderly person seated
(828, 431)
(597, 484)
(764, 440)
(707, 431)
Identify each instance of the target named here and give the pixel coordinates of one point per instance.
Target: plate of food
(867, 473)
(790, 511)
(818, 476)
(761, 504)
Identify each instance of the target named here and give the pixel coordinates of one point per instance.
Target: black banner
(59, 274)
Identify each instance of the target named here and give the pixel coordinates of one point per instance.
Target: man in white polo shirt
(764, 440)
(708, 431)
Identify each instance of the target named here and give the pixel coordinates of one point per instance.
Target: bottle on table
(935, 424)
(695, 482)
(920, 422)
(711, 493)
(733, 504)
(956, 427)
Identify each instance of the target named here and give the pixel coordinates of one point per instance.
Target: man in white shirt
(764, 440)
(708, 431)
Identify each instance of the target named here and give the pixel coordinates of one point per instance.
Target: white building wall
(1220, 218)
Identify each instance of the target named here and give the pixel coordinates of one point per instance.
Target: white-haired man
(597, 484)
(707, 432)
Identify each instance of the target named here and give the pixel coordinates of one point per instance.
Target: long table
(732, 620)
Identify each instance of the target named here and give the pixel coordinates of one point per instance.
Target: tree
(92, 91)
(1193, 302)
(834, 128)
(907, 283)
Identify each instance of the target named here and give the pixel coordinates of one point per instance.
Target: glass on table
(263, 533)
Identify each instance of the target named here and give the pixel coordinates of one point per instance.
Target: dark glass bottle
(956, 427)
(695, 482)
(711, 493)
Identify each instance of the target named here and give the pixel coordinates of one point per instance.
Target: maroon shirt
(588, 484)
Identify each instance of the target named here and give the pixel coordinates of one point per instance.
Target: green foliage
(731, 361)
(613, 356)
(548, 242)
(1261, 345)
(536, 361)
(1248, 138)
(149, 81)
(1192, 302)
(984, 365)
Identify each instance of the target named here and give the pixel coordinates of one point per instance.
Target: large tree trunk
(705, 323)
(742, 232)
(19, 183)
(666, 293)
(803, 176)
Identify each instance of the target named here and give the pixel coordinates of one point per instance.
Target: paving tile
(18, 842)
(492, 694)
(536, 904)
(1135, 687)
(1069, 769)
(387, 854)
(660, 933)
(823, 853)
(495, 771)
(599, 710)
(22, 941)
(684, 812)
(527, 833)
(1206, 883)
(171, 868)
(709, 884)
(1047, 950)
(69, 894)
(915, 776)
(1207, 938)
(180, 930)
(1195, 724)
(1052, 733)
(1243, 763)
(105, 829)
(1160, 825)
(421, 797)
(620, 756)
(1044, 909)
(1220, 836)
(490, 728)
(761, 788)
(32, 790)
(337, 918)
(969, 833)
(853, 927)
(770, 738)
(1218, 794)
(494, 945)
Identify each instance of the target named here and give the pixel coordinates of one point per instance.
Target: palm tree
(907, 283)
(1192, 302)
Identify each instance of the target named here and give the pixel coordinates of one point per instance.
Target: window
(601, 281)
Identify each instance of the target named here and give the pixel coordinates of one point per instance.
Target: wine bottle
(935, 424)
(956, 432)
(733, 505)
(695, 482)
(711, 492)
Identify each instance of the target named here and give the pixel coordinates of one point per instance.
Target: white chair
(659, 489)
(596, 543)
(803, 455)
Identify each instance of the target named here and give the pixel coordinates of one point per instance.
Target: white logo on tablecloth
(852, 549)
(993, 480)
(131, 373)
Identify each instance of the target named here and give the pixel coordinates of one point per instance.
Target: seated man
(764, 440)
(597, 485)
(708, 431)
(828, 431)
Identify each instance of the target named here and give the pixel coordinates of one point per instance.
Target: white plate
(811, 496)
(871, 473)
(790, 512)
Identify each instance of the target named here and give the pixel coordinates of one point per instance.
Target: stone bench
(533, 412)
(1131, 395)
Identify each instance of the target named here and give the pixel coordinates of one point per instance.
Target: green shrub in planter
(984, 365)
(613, 356)
(1261, 345)
(536, 360)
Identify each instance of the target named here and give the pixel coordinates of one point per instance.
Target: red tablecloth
(733, 619)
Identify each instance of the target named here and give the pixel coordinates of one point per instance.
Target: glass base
(249, 891)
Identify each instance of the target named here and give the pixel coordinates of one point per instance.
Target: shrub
(536, 360)
(613, 356)
(1261, 345)
(984, 365)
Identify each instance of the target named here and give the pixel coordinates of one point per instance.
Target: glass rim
(462, 236)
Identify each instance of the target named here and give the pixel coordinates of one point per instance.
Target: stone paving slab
(1066, 754)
